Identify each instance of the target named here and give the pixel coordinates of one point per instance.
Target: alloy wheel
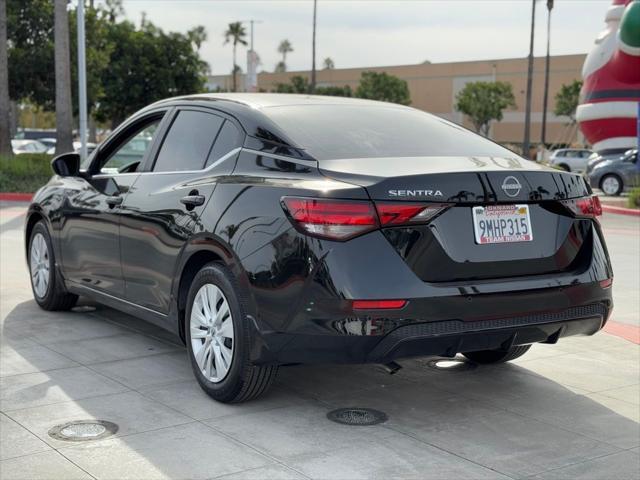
(39, 264)
(212, 334)
(610, 185)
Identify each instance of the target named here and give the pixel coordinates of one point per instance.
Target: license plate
(502, 224)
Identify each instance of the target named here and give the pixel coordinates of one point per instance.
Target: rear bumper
(361, 343)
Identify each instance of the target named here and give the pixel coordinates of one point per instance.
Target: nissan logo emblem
(511, 186)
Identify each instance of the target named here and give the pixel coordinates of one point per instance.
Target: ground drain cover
(357, 416)
(450, 365)
(84, 309)
(83, 430)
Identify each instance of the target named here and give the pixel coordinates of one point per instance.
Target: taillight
(344, 219)
(585, 207)
(334, 219)
(399, 213)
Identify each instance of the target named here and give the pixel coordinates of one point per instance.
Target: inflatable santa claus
(608, 109)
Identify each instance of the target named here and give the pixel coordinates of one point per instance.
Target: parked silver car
(571, 159)
(616, 175)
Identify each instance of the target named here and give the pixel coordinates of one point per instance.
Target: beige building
(433, 87)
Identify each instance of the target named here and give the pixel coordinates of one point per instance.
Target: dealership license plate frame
(509, 224)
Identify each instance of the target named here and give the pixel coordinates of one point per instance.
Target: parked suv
(571, 159)
(268, 230)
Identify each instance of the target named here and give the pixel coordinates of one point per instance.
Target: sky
(379, 32)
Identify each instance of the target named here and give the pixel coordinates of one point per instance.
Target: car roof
(266, 100)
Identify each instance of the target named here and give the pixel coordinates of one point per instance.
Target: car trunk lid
(446, 249)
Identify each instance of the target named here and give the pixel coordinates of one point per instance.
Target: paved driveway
(562, 411)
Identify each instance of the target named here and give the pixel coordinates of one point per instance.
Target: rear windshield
(330, 132)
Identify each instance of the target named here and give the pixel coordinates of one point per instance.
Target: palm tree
(328, 64)
(235, 35)
(5, 134)
(284, 48)
(527, 114)
(312, 85)
(64, 117)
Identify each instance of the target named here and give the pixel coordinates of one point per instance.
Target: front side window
(189, 141)
(128, 156)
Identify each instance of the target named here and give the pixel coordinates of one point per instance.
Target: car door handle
(114, 200)
(192, 200)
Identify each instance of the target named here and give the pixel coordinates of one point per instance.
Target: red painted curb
(634, 212)
(623, 330)
(16, 197)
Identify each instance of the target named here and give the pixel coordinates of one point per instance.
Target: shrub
(24, 173)
(634, 198)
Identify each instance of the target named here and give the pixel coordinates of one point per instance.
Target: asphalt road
(565, 411)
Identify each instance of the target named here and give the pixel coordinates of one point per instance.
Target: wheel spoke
(201, 355)
(226, 329)
(198, 333)
(212, 300)
(199, 318)
(227, 354)
(204, 303)
(221, 365)
(211, 370)
(222, 313)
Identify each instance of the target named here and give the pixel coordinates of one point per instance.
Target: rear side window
(228, 139)
(189, 141)
(330, 132)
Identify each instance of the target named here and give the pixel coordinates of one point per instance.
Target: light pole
(251, 79)
(543, 137)
(312, 85)
(82, 82)
(527, 114)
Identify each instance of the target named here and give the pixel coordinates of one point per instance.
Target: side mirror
(67, 164)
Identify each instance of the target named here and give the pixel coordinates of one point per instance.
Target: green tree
(484, 102)
(328, 64)
(300, 84)
(384, 87)
(31, 64)
(567, 100)
(284, 48)
(166, 65)
(235, 35)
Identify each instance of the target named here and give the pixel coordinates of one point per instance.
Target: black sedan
(268, 230)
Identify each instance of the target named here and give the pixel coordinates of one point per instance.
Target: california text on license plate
(502, 224)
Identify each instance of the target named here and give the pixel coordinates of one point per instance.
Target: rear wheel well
(191, 268)
(34, 218)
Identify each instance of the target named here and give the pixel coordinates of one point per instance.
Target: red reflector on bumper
(606, 283)
(378, 304)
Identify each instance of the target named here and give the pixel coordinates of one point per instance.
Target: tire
(487, 357)
(612, 183)
(47, 286)
(564, 167)
(214, 285)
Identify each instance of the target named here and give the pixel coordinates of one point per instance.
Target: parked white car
(571, 159)
(27, 146)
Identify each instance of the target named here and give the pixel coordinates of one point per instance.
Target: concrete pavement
(570, 410)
